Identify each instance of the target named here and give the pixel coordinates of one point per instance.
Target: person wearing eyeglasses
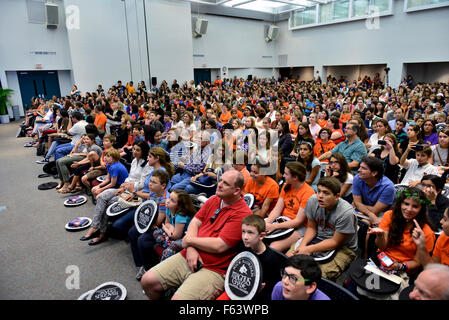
(299, 280)
(210, 244)
(352, 148)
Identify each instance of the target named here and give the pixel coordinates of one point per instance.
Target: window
(341, 9)
(411, 4)
(335, 10)
(304, 16)
(362, 8)
(326, 11)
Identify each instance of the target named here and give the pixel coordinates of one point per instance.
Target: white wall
(170, 40)
(99, 47)
(65, 82)
(429, 72)
(304, 73)
(16, 97)
(234, 43)
(20, 37)
(255, 72)
(403, 37)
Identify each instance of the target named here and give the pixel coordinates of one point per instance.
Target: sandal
(65, 190)
(59, 186)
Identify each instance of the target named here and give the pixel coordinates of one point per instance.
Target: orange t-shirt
(341, 139)
(294, 199)
(246, 177)
(225, 117)
(322, 123)
(407, 249)
(345, 117)
(293, 128)
(100, 121)
(202, 109)
(442, 249)
(240, 114)
(321, 148)
(269, 190)
(287, 117)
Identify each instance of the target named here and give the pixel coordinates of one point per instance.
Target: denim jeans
(179, 181)
(62, 150)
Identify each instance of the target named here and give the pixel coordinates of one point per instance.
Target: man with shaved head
(432, 283)
(209, 246)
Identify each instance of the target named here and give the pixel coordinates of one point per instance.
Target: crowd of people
(323, 155)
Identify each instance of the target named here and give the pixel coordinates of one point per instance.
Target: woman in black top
(390, 156)
(304, 134)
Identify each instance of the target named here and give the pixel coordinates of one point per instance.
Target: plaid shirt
(198, 160)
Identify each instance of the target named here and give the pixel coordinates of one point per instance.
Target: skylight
(270, 6)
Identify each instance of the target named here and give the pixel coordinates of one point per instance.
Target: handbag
(128, 204)
(62, 139)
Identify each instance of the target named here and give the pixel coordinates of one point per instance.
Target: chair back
(334, 291)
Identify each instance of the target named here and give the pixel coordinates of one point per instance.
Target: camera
(382, 142)
(419, 147)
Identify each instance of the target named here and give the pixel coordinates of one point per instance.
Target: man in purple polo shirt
(299, 280)
(373, 193)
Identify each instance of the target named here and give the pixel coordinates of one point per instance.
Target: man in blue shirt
(352, 148)
(299, 280)
(373, 193)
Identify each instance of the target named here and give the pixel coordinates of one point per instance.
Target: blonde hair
(113, 153)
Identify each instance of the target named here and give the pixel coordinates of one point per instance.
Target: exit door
(43, 84)
(201, 75)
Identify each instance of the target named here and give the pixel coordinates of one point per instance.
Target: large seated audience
(327, 156)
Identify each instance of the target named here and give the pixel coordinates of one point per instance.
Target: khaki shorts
(333, 269)
(201, 285)
(94, 174)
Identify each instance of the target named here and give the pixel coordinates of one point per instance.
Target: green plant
(4, 100)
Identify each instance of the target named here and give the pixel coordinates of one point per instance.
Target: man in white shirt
(419, 167)
(76, 131)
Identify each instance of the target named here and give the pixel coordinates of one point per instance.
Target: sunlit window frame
(348, 19)
(424, 7)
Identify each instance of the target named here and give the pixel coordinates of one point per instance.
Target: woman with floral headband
(394, 235)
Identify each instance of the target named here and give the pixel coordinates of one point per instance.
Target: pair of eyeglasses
(214, 217)
(292, 278)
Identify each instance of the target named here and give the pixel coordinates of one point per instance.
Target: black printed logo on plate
(243, 277)
(249, 199)
(144, 215)
(108, 291)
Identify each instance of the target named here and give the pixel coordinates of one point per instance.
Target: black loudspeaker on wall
(250, 77)
(154, 81)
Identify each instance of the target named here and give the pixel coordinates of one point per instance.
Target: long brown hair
(185, 205)
(164, 159)
(344, 167)
(398, 222)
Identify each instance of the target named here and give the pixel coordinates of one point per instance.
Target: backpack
(40, 151)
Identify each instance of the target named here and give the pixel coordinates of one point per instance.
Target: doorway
(43, 84)
(201, 75)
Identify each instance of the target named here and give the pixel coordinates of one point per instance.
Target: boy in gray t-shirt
(331, 221)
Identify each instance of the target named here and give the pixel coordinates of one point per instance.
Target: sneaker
(43, 161)
(28, 144)
(140, 273)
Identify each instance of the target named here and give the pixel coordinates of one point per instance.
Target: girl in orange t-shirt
(394, 234)
(345, 114)
(291, 204)
(322, 118)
